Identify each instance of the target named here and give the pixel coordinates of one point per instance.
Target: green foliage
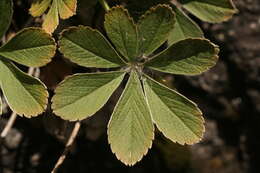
(131, 53)
(32, 47)
(25, 95)
(143, 101)
(210, 10)
(57, 8)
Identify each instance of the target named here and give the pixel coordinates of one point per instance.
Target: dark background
(228, 95)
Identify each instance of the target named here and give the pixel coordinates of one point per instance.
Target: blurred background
(228, 95)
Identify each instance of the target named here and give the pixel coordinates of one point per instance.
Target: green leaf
(130, 130)
(210, 10)
(184, 28)
(89, 48)
(51, 20)
(82, 95)
(155, 27)
(38, 7)
(31, 47)
(178, 118)
(24, 94)
(188, 57)
(67, 8)
(122, 32)
(6, 13)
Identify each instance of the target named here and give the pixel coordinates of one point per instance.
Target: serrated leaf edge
(51, 55)
(200, 115)
(70, 29)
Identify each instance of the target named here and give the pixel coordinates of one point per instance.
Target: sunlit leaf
(184, 28)
(82, 95)
(51, 20)
(154, 28)
(24, 94)
(31, 47)
(122, 32)
(178, 118)
(67, 8)
(210, 10)
(38, 7)
(130, 130)
(6, 13)
(88, 47)
(189, 57)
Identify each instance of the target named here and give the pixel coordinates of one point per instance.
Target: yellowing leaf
(39, 7)
(24, 94)
(189, 57)
(122, 32)
(130, 130)
(176, 117)
(51, 20)
(82, 95)
(31, 47)
(67, 8)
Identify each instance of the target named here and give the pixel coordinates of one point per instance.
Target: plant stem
(67, 147)
(104, 5)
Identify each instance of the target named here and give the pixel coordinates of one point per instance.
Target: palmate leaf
(122, 32)
(130, 130)
(89, 48)
(188, 57)
(154, 28)
(210, 10)
(82, 95)
(31, 47)
(6, 13)
(184, 28)
(176, 117)
(24, 94)
(58, 8)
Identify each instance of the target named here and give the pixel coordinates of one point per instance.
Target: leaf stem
(104, 5)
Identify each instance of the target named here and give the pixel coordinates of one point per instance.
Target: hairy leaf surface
(130, 130)
(31, 47)
(89, 48)
(176, 117)
(122, 32)
(82, 95)
(24, 94)
(188, 57)
(154, 28)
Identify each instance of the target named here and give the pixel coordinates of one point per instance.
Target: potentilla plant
(130, 53)
(32, 47)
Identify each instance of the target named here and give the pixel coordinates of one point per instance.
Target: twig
(13, 117)
(67, 147)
